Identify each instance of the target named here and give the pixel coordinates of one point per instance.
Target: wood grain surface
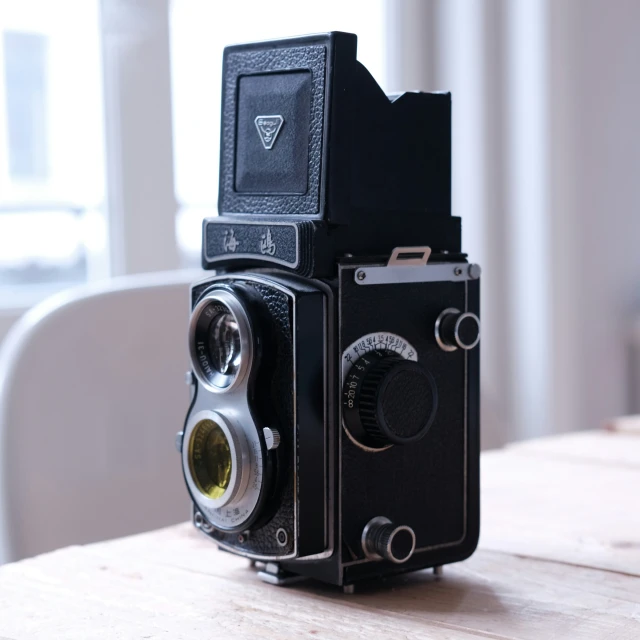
(559, 557)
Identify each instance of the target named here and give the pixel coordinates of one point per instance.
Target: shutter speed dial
(388, 400)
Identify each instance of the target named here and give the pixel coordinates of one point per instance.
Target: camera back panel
(431, 485)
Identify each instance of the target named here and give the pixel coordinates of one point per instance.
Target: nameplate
(274, 242)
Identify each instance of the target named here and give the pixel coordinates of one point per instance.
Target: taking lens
(210, 459)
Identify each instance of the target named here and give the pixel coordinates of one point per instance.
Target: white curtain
(546, 153)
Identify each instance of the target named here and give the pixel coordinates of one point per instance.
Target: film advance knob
(393, 400)
(383, 539)
(455, 329)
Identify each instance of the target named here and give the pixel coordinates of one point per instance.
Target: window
(25, 57)
(52, 228)
(53, 220)
(199, 31)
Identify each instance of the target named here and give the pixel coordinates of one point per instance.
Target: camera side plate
(431, 486)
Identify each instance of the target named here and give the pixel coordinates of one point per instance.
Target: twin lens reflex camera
(333, 430)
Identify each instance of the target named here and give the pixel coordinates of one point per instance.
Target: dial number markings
(380, 341)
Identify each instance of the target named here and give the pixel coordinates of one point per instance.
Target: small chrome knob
(474, 271)
(381, 539)
(179, 438)
(271, 438)
(457, 330)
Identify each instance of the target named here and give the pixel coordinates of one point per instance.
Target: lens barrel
(220, 340)
(222, 452)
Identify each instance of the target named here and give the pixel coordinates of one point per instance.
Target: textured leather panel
(274, 386)
(260, 61)
(262, 541)
(272, 153)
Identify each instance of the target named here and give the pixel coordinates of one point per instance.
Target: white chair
(91, 395)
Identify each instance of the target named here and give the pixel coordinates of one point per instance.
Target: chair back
(91, 396)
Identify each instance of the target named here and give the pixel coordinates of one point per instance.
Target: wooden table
(559, 557)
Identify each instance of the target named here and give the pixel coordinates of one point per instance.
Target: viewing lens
(221, 340)
(210, 460)
(224, 344)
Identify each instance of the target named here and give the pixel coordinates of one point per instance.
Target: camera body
(333, 430)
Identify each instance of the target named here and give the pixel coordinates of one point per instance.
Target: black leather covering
(250, 62)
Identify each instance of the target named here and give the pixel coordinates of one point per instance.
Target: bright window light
(52, 228)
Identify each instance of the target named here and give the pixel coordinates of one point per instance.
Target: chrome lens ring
(220, 341)
(238, 503)
(237, 506)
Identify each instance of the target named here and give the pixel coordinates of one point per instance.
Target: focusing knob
(455, 329)
(388, 400)
(381, 539)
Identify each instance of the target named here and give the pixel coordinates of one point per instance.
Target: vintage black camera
(333, 431)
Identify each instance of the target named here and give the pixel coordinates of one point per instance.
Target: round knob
(271, 438)
(388, 400)
(455, 329)
(383, 539)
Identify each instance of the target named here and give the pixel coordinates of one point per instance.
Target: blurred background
(109, 125)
